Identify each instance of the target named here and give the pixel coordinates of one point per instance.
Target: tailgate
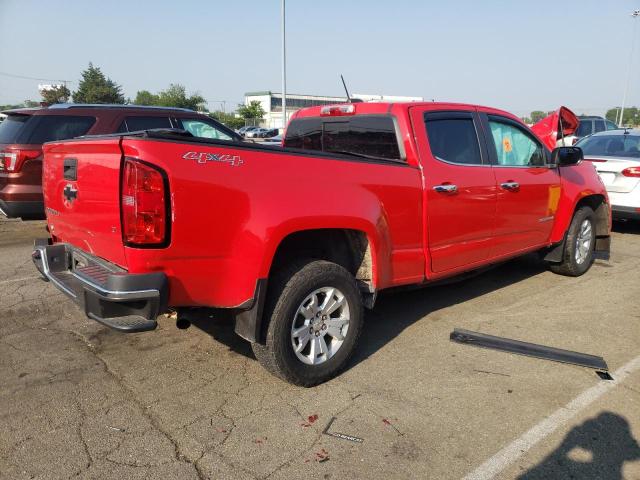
(81, 186)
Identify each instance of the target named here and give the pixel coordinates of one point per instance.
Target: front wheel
(314, 310)
(579, 246)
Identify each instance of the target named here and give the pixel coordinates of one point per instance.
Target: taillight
(12, 160)
(144, 205)
(338, 110)
(631, 172)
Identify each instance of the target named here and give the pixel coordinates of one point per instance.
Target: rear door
(528, 190)
(82, 196)
(460, 187)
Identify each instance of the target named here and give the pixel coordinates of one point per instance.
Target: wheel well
(598, 204)
(348, 248)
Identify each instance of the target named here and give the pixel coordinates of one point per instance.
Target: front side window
(199, 128)
(369, 136)
(599, 126)
(48, 128)
(454, 140)
(514, 147)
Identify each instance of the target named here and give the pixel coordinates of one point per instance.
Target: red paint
(227, 217)
(548, 128)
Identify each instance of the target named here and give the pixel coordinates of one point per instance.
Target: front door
(460, 188)
(528, 190)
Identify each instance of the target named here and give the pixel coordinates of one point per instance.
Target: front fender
(578, 182)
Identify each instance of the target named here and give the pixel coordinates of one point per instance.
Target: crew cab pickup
(297, 240)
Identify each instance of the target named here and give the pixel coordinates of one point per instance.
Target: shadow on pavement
(394, 311)
(597, 449)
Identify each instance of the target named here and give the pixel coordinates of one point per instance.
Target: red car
(297, 241)
(24, 131)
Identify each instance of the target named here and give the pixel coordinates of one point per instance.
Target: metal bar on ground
(483, 340)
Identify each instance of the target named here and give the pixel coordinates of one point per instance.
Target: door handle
(446, 188)
(510, 186)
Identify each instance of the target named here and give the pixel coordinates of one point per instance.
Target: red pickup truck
(296, 241)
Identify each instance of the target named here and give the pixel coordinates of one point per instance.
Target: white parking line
(19, 279)
(516, 449)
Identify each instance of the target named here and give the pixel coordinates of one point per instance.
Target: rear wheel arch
(353, 249)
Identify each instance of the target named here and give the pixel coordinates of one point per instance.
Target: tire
(292, 291)
(572, 264)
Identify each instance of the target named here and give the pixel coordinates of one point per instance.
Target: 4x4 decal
(204, 157)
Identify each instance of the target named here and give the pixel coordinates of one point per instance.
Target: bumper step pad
(123, 301)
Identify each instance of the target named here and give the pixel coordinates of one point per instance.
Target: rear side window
(11, 127)
(585, 128)
(135, 124)
(47, 128)
(370, 136)
(453, 140)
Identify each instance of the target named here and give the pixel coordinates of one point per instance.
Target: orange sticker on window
(506, 145)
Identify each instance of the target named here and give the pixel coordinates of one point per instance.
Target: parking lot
(80, 400)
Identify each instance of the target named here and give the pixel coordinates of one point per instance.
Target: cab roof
(373, 108)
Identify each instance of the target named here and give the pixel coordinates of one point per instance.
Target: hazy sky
(510, 54)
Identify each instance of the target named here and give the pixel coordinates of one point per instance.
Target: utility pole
(284, 69)
(634, 15)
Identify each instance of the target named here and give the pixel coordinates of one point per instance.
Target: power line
(24, 77)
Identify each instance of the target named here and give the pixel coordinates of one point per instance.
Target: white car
(616, 156)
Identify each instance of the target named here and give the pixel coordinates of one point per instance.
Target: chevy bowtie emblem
(70, 193)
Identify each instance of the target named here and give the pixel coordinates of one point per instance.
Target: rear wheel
(314, 312)
(579, 245)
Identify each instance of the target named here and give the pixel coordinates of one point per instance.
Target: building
(271, 103)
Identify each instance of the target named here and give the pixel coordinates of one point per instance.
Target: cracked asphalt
(79, 400)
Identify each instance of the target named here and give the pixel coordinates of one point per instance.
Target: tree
(145, 97)
(94, 87)
(253, 110)
(631, 115)
(174, 96)
(613, 114)
(55, 94)
(537, 115)
(228, 119)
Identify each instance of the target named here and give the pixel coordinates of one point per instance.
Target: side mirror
(565, 156)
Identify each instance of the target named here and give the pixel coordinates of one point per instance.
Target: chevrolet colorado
(297, 241)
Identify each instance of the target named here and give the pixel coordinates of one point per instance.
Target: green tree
(174, 96)
(57, 94)
(537, 115)
(94, 87)
(145, 97)
(613, 114)
(228, 119)
(526, 120)
(253, 110)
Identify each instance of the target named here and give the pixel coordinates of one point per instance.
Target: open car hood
(549, 127)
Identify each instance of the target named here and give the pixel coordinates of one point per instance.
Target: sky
(511, 54)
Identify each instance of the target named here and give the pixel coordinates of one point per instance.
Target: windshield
(11, 126)
(611, 146)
